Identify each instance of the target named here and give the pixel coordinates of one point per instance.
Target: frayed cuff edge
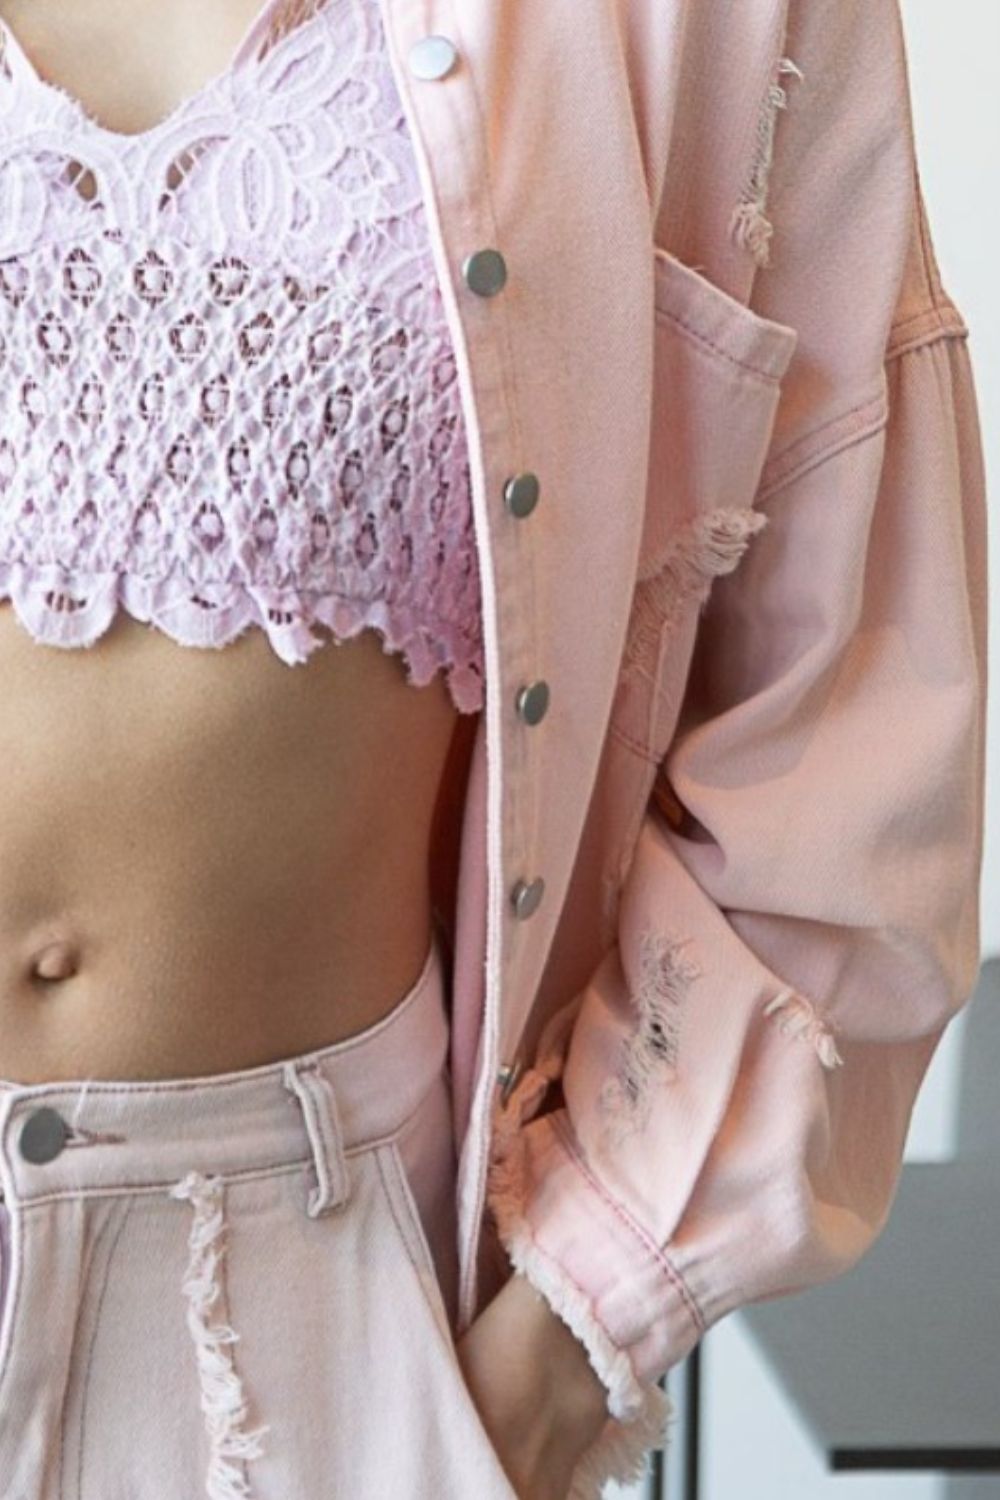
(626, 1397)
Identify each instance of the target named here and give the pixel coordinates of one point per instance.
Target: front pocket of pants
(11, 1252)
(63, 1252)
(406, 1216)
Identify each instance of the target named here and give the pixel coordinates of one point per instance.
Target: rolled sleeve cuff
(614, 1289)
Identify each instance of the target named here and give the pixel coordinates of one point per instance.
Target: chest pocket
(718, 371)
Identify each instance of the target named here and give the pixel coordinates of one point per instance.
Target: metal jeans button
(43, 1135)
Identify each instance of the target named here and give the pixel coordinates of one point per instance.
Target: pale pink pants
(240, 1284)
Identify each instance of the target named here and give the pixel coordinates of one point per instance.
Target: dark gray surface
(896, 1365)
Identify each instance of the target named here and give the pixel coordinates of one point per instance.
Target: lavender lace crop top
(228, 396)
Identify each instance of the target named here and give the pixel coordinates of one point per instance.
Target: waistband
(94, 1135)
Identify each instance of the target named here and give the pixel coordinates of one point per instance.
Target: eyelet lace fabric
(228, 394)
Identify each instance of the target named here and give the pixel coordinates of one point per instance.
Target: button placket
(484, 272)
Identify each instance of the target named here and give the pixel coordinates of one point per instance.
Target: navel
(58, 960)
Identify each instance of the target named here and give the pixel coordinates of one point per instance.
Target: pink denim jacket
(711, 876)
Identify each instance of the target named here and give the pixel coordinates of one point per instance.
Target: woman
(262, 393)
(202, 845)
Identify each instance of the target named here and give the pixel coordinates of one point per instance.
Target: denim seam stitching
(657, 1252)
(405, 1232)
(765, 376)
(93, 1340)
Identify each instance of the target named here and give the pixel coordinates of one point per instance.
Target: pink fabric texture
(229, 396)
(798, 921)
(755, 583)
(238, 1286)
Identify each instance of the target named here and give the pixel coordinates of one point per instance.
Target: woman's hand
(531, 1381)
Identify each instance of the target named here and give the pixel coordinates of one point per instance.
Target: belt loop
(319, 1107)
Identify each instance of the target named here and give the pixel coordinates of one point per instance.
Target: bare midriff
(209, 860)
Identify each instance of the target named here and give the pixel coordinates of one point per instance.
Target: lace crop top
(228, 394)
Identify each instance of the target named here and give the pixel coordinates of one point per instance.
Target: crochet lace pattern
(228, 393)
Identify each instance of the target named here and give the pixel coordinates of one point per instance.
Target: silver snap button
(526, 895)
(432, 57)
(507, 1076)
(520, 494)
(485, 272)
(43, 1135)
(533, 701)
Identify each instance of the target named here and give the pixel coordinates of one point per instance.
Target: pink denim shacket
(709, 860)
(714, 911)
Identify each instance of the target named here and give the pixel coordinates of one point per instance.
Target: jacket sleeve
(725, 1117)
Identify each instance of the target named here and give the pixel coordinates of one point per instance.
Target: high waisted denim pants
(240, 1284)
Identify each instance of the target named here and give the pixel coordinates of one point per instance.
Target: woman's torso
(209, 859)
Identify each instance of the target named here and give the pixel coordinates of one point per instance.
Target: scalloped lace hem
(56, 613)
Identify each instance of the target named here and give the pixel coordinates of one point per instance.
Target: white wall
(753, 1447)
